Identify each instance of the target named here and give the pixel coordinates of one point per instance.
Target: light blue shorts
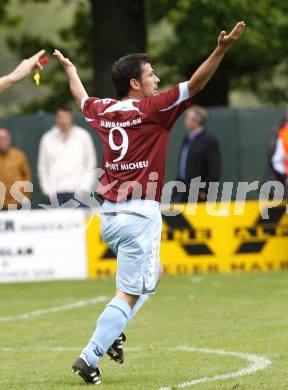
(133, 232)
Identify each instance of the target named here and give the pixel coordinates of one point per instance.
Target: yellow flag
(36, 78)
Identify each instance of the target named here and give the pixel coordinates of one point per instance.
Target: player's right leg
(144, 297)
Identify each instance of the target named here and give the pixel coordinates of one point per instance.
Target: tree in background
(5, 18)
(118, 28)
(257, 63)
(100, 33)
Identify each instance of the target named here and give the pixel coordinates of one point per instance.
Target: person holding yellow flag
(21, 71)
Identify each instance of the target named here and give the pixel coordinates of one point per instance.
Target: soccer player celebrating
(134, 129)
(22, 70)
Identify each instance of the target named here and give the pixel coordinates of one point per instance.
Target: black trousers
(64, 197)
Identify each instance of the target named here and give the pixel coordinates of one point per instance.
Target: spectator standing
(14, 167)
(200, 155)
(67, 160)
(280, 156)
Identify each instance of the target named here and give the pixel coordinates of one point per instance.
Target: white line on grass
(55, 309)
(53, 349)
(256, 363)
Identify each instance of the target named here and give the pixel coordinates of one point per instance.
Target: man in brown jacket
(14, 167)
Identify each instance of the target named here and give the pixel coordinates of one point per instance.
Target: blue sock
(142, 299)
(110, 324)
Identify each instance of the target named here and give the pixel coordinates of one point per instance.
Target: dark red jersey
(134, 134)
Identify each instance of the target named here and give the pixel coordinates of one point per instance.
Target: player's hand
(225, 40)
(26, 66)
(65, 62)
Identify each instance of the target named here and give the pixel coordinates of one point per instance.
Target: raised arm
(77, 89)
(22, 70)
(206, 70)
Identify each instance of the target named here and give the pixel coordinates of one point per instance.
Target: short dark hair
(201, 113)
(125, 69)
(64, 107)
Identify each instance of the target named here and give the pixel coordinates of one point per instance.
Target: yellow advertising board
(210, 238)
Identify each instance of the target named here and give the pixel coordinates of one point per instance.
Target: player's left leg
(110, 324)
(137, 271)
(116, 349)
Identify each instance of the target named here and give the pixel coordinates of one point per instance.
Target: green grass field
(244, 313)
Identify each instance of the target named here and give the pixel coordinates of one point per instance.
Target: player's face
(149, 81)
(64, 120)
(5, 140)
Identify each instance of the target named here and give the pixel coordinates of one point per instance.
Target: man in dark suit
(199, 155)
